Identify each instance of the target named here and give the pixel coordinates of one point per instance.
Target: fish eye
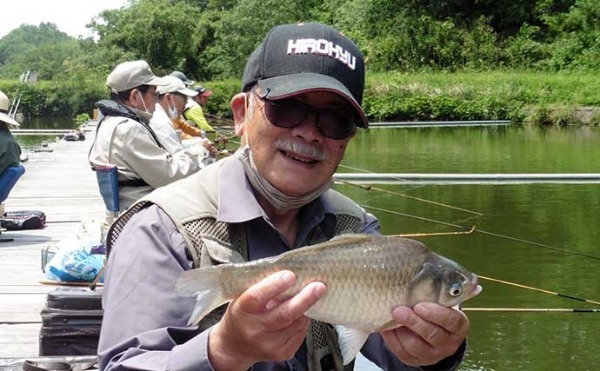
(455, 289)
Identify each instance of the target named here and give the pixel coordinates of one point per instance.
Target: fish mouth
(475, 284)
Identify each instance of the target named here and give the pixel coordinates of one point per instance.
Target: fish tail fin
(351, 341)
(206, 285)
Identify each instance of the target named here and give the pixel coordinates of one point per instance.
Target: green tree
(40, 49)
(240, 30)
(163, 32)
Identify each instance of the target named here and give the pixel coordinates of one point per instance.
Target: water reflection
(29, 143)
(49, 123)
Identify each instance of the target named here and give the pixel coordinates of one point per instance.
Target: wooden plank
(19, 340)
(20, 308)
(61, 184)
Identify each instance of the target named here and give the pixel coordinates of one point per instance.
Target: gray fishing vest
(192, 205)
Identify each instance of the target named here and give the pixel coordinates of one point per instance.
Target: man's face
(201, 99)
(301, 159)
(144, 101)
(178, 101)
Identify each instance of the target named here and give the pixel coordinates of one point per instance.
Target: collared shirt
(144, 325)
(164, 129)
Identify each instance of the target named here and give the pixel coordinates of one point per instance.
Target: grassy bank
(524, 97)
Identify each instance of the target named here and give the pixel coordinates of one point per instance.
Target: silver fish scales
(366, 277)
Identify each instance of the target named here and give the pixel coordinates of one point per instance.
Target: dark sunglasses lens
(337, 125)
(289, 113)
(285, 113)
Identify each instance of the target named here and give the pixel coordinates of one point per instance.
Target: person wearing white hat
(10, 151)
(125, 140)
(171, 102)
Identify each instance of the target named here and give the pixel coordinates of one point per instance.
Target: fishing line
(538, 289)
(516, 239)
(369, 188)
(370, 172)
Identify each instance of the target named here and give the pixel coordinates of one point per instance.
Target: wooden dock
(58, 182)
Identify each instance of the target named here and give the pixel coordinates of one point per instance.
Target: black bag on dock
(71, 322)
(25, 219)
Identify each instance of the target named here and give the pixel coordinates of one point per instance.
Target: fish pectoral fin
(205, 285)
(206, 302)
(351, 341)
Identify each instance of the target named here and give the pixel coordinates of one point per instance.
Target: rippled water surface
(539, 235)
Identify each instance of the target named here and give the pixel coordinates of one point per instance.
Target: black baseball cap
(305, 57)
(203, 91)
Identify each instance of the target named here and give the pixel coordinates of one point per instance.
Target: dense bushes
(426, 59)
(527, 97)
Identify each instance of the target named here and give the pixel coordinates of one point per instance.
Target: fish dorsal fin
(351, 237)
(346, 239)
(351, 341)
(341, 240)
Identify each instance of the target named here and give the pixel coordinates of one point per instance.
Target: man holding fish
(263, 232)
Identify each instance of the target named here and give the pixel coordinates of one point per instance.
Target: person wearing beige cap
(10, 151)
(125, 141)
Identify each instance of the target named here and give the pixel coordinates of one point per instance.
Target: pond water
(540, 235)
(30, 143)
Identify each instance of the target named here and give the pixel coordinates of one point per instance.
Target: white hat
(4, 106)
(175, 85)
(131, 74)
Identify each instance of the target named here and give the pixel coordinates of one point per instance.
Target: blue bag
(108, 183)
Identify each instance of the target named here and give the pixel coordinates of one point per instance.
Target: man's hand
(258, 327)
(429, 333)
(206, 143)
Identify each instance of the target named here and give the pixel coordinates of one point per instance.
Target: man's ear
(239, 108)
(134, 99)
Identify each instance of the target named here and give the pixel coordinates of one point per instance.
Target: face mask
(144, 115)
(172, 110)
(143, 102)
(274, 196)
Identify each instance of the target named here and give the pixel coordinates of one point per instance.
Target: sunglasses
(289, 113)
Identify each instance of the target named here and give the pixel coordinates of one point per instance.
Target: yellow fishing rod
(534, 310)
(571, 297)
(429, 234)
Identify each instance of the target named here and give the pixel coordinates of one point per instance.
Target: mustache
(302, 148)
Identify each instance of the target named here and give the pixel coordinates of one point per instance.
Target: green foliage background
(426, 59)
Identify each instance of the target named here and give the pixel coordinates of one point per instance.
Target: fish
(366, 277)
